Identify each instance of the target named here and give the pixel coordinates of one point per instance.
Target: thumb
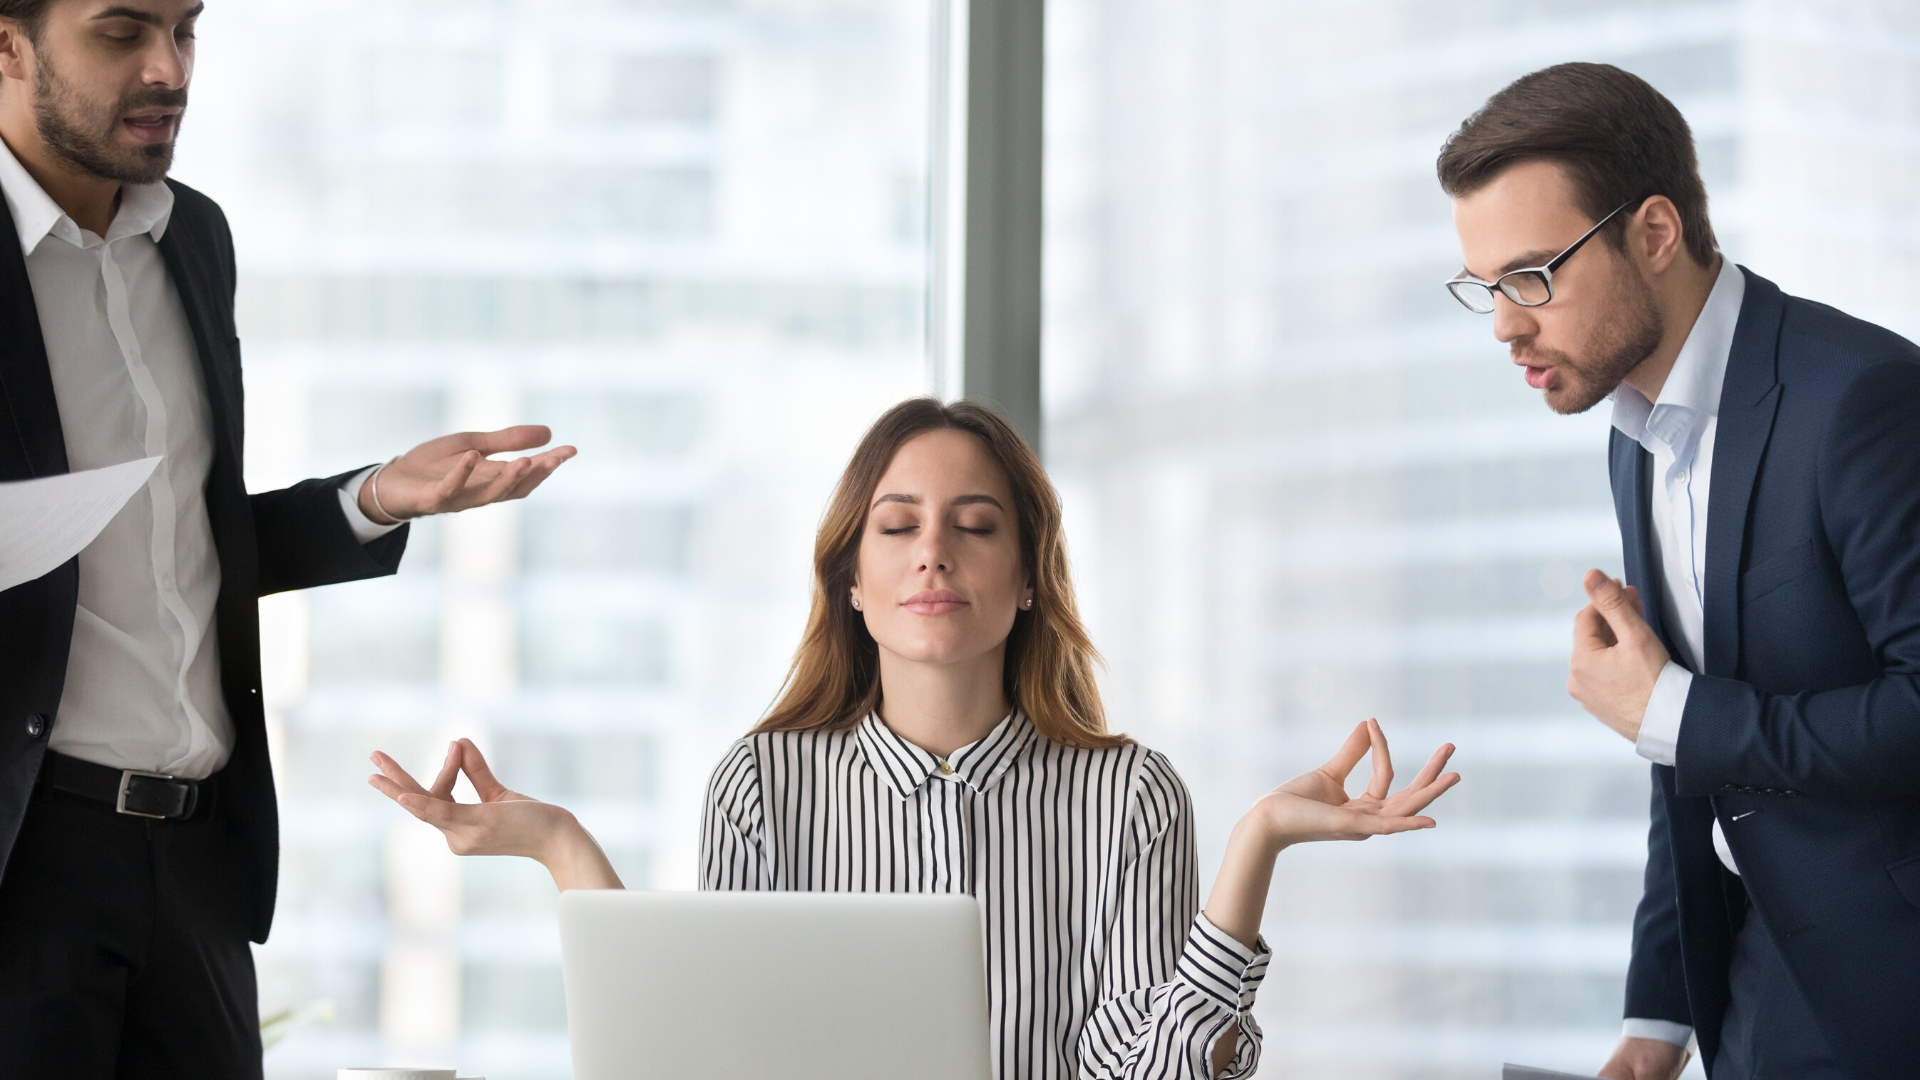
(1614, 603)
(474, 764)
(1590, 631)
(518, 437)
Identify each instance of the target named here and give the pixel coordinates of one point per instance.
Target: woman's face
(940, 579)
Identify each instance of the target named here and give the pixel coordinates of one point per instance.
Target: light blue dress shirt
(1678, 430)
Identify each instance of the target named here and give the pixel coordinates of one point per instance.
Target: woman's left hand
(1315, 805)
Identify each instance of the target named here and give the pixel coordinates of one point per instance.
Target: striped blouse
(1099, 963)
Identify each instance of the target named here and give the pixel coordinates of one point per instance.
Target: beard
(80, 133)
(1629, 335)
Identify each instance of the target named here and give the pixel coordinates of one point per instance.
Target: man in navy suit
(1764, 649)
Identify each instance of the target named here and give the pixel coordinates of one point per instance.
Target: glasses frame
(1544, 272)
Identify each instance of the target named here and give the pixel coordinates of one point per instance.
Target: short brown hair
(1618, 138)
(30, 14)
(835, 678)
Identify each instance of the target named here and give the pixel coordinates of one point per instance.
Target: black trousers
(1769, 1032)
(123, 948)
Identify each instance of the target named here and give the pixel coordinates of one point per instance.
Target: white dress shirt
(143, 674)
(1678, 430)
(1099, 961)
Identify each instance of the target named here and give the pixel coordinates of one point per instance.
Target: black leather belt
(128, 791)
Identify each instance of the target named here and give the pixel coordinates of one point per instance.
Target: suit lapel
(1631, 469)
(197, 284)
(35, 445)
(1748, 401)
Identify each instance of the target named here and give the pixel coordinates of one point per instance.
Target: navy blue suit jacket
(1802, 731)
(269, 542)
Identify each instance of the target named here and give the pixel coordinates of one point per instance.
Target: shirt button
(946, 769)
(36, 725)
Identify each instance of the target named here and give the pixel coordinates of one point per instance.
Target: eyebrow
(964, 500)
(1528, 260)
(147, 17)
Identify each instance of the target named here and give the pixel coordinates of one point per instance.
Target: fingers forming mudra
(503, 822)
(1316, 806)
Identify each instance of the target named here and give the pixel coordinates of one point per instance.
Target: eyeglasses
(1530, 286)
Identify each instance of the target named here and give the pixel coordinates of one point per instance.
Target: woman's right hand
(503, 822)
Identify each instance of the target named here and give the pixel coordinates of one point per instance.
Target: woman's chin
(938, 652)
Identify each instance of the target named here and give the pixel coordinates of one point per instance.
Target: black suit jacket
(1802, 731)
(278, 540)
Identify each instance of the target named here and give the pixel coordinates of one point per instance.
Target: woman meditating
(940, 731)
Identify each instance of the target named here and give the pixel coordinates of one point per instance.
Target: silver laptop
(758, 986)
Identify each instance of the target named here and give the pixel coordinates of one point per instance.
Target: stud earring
(1027, 603)
(856, 603)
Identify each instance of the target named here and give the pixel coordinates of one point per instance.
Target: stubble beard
(80, 133)
(1619, 346)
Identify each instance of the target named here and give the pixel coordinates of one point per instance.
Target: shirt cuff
(1660, 727)
(1665, 1030)
(365, 529)
(1222, 968)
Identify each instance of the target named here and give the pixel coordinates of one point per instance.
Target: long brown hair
(835, 677)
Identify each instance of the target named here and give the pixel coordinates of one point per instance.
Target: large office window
(1304, 487)
(690, 235)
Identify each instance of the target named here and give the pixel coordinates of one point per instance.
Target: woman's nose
(933, 550)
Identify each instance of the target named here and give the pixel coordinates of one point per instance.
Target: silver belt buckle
(126, 778)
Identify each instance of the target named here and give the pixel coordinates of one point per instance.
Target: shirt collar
(979, 765)
(144, 208)
(1691, 393)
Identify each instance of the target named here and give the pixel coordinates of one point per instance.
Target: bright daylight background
(1302, 486)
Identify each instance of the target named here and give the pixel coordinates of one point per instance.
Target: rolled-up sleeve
(1174, 984)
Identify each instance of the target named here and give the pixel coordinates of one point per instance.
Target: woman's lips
(1539, 377)
(934, 602)
(150, 129)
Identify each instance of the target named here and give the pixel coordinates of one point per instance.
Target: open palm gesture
(454, 473)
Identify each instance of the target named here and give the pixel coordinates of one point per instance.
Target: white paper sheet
(45, 522)
(1523, 1072)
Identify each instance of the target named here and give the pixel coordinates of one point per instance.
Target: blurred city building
(1304, 487)
(689, 235)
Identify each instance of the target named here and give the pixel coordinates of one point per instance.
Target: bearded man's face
(1603, 320)
(109, 84)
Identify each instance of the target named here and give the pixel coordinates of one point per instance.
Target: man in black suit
(1764, 650)
(138, 833)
